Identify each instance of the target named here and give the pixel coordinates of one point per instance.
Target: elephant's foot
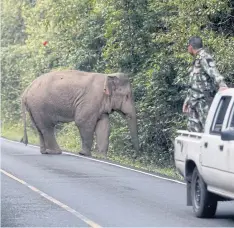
(43, 151)
(49, 151)
(103, 153)
(87, 154)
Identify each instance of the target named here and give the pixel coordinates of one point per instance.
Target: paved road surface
(106, 195)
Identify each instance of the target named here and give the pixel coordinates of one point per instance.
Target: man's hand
(185, 108)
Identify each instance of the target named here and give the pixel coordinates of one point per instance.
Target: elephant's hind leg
(42, 143)
(45, 128)
(102, 134)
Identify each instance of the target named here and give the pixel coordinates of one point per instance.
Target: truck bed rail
(190, 134)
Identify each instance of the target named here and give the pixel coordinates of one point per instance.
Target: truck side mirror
(227, 135)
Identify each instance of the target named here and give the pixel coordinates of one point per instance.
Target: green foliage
(12, 23)
(145, 38)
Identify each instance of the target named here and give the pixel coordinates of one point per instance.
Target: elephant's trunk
(132, 124)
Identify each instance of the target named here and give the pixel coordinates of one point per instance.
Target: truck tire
(204, 203)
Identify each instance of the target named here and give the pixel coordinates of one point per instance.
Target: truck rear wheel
(204, 204)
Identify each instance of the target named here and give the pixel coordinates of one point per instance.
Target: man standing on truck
(204, 82)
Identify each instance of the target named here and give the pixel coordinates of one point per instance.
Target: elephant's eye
(127, 96)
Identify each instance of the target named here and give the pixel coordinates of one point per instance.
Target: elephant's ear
(111, 84)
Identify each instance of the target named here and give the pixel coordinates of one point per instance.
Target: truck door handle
(221, 147)
(206, 144)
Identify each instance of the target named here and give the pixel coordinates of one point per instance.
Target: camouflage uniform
(204, 82)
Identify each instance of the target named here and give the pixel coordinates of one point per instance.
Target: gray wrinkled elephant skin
(84, 97)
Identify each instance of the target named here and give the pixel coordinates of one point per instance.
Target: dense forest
(145, 38)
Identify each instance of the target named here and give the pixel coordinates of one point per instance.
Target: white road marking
(108, 163)
(53, 200)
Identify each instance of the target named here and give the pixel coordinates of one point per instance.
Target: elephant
(87, 98)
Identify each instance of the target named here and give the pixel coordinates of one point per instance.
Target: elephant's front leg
(86, 130)
(102, 134)
(51, 144)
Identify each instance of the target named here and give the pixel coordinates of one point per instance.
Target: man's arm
(185, 105)
(186, 102)
(209, 67)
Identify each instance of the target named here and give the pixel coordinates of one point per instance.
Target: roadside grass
(69, 140)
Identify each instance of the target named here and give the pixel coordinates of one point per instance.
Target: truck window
(231, 118)
(220, 114)
(232, 121)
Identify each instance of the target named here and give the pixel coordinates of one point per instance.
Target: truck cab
(206, 160)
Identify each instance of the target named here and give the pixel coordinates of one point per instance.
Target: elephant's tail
(25, 137)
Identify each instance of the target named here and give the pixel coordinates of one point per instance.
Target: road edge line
(53, 200)
(108, 163)
(123, 167)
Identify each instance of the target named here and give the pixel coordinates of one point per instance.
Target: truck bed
(187, 146)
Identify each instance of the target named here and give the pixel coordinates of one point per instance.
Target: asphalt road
(64, 190)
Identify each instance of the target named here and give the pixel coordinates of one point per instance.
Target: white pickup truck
(206, 160)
